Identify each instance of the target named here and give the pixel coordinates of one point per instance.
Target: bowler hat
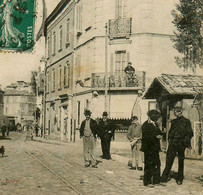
(105, 113)
(154, 115)
(87, 112)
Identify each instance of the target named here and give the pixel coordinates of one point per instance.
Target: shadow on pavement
(5, 138)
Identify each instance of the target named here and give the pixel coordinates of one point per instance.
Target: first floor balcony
(118, 81)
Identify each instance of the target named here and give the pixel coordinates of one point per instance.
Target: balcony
(119, 81)
(120, 28)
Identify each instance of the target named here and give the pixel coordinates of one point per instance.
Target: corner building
(88, 39)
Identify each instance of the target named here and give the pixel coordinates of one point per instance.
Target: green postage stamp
(17, 19)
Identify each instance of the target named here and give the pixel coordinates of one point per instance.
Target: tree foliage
(188, 39)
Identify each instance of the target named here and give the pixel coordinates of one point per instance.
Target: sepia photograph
(101, 97)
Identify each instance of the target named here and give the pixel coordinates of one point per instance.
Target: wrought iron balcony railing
(120, 27)
(119, 80)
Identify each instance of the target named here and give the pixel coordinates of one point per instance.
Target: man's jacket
(150, 143)
(93, 127)
(106, 129)
(181, 131)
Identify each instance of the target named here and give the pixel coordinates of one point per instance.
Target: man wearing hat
(179, 137)
(151, 135)
(106, 130)
(130, 71)
(134, 136)
(88, 131)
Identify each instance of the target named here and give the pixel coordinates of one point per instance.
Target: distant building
(89, 44)
(20, 102)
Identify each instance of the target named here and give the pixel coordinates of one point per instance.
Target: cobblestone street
(54, 167)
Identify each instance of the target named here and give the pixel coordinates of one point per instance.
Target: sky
(16, 66)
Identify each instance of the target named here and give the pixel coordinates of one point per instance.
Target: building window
(60, 77)
(120, 60)
(67, 32)
(121, 8)
(66, 75)
(48, 47)
(87, 102)
(54, 43)
(79, 18)
(78, 108)
(60, 37)
(152, 105)
(53, 79)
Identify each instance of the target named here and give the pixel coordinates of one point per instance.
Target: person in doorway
(151, 135)
(179, 137)
(19, 127)
(88, 131)
(36, 130)
(134, 136)
(106, 131)
(4, 129)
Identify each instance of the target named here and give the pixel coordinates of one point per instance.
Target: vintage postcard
(101, 97)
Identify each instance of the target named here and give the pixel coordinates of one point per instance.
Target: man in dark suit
(106, 131)
(180, 135)
(88, 131)
(151, 136)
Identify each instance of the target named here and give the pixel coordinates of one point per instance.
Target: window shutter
(116, 8)
(128, 58)
(125, 11)
(112, 63)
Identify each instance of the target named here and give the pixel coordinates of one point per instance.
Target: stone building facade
(87, 40)
(20, 103)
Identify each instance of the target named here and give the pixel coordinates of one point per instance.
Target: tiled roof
(166, 84)
(181, 84)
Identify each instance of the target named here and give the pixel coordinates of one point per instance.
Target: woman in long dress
(10, 35)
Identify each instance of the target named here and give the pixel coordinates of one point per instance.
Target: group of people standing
(143, 138)
(146, 138)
